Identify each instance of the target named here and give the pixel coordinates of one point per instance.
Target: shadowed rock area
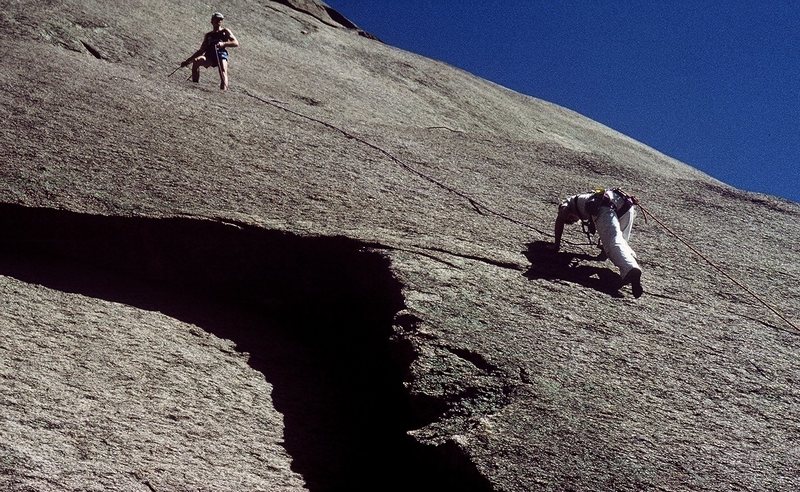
(314, 315)
(335, 275)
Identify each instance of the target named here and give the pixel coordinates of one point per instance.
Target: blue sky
(715, 84)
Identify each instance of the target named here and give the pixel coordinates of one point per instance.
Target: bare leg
(200, 61)
(223, 75)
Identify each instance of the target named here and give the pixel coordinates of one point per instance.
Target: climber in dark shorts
(213, 52)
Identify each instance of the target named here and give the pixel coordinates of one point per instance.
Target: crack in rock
(93, 50)
(333, 300)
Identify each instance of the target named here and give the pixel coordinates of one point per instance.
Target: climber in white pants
(611, 213)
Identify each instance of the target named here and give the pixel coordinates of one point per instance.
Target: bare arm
(230, 43)
(196, 53)
(559, 228)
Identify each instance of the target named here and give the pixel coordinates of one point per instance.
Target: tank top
(214, 37)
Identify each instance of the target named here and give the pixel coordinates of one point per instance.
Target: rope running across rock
(480, 207)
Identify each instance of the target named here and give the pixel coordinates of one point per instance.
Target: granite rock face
(334, 276)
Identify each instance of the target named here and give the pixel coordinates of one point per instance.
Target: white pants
(614, 235)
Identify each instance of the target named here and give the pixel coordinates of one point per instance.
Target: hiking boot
(634, 277)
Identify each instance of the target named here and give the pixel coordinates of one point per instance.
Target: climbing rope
(477, 205)
(717, 268)
(480, 207)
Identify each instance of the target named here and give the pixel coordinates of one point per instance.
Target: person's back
(611, 213)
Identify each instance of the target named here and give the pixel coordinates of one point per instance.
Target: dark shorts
(212, 58)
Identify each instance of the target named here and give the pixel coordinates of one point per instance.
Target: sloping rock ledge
(332, 300)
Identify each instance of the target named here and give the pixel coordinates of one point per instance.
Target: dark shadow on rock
(315, 313)
(571, 267)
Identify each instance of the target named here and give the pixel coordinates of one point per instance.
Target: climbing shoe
(634, 277)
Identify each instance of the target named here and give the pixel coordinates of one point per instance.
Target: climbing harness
(589, 229)
(630, 201)
(601, 198)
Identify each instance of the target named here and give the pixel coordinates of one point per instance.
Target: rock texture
(332, 276)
